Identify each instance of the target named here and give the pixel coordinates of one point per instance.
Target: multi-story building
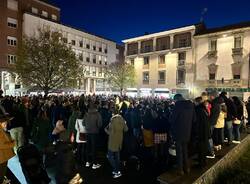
(11, 16)
(163, 61)
(25, 17)
(222, 59)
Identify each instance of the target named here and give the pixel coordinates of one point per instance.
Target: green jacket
(72, 122)
(115, 130)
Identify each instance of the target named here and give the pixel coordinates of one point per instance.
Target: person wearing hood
(115, 130)
(93, 123)
(181, 121)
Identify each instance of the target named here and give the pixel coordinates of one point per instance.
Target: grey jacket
(93, 121)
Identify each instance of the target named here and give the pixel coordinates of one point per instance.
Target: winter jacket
(221, 120)
(93, 121)
(202, 123)
(181, 120)
(6, 147)
(80, 128)
(115, 130)
(231, 109)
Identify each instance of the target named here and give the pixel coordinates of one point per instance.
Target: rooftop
(223, 28)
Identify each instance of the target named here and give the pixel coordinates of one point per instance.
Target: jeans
(91, 148)
(229, 130)
(210, 142)
(18, 136)
(114, 159)
(3, 170)
(81, 152)
(182, 155)
(218, 136)
(236, 131)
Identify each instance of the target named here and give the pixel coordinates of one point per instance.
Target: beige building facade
(222, 59)
(163, 61)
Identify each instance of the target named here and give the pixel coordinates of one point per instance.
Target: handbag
(237, 122)
(82, 136)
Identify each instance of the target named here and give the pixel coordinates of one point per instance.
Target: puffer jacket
(6, 147)
(93, 121)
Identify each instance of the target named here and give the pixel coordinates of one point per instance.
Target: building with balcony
(25, 17)
(222, 59)
(164, 60)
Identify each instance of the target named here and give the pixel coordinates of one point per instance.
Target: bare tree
(121, 75)
(45, 61)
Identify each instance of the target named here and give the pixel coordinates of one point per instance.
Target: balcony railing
(161, 81)
(145, 81)
(147, 49)
(132, 52)
(237, 51)
(212, 54)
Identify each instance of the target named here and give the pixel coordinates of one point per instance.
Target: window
(34, 10)
(12, 41)
(80, 56)
(106, 63)
(182, 40)
(236, 76)
(11, 59)
(132, 62)
(87, 46)
(94, 47)
(80, 44)
(146, 46)
(237, 42)
(181, 58)
(161, 77)
(161, 60)
(100, 49)
(211, 76)
(145, 77)
(100, 62)
(73, 42)
(65, 40)
(181, 76)
(163, 43)
(94, 73)
(12, 5)
(12, 22)
(106, 51)
(146, 61)
(213, 45)
(54, 17)
(44, 13)
(94, 59)
(87, 59)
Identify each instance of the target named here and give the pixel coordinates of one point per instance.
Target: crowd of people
(120, 127)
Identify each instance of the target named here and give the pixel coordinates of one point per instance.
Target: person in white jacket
(81, 139)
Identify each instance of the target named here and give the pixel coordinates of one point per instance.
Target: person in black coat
(181, 120)
(231, 116)
(203, 130)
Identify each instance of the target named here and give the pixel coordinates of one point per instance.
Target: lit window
(44, 13)
(161, 59)
(213, 45)
(12, 5)
(11, 59)
(161, 77)
(237, 42)
(146, 60)
(145, 77)
(12, 41)
(34, 10)
(12, 22)
(54, 17)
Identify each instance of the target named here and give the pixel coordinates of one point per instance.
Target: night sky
(121, 19)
